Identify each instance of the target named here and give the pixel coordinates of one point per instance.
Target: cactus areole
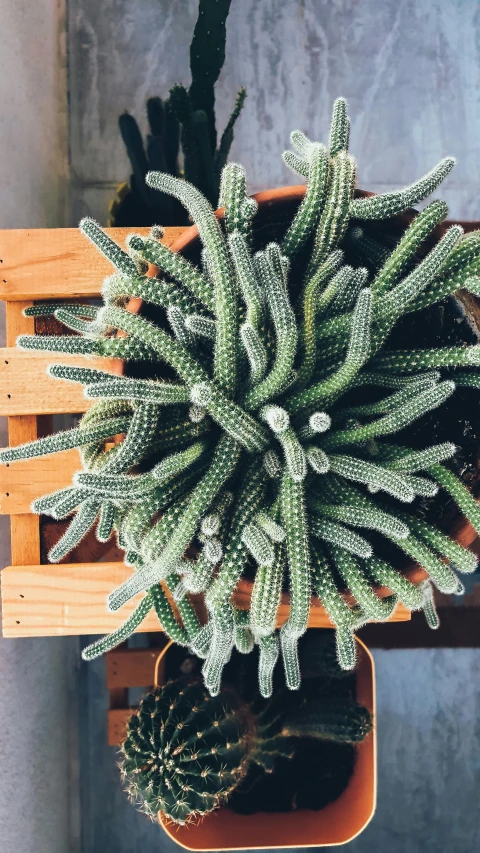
(271, 432)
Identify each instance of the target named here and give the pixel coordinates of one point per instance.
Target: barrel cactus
(270, 434)
(185, 750)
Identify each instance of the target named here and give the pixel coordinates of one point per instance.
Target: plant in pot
(187, 754)
(271, 408)
(184, 124)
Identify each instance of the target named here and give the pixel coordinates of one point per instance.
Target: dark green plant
(183, 123)
(186, 751)
(275, 444)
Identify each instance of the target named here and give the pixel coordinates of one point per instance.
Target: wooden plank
(117, 719)
(16, 323)
(66, 599)
(459, 629)
(27, 389)
(54, 600)
(132, 667)
(24, 529)
(25, 539)
(57, 263)
(23, 482)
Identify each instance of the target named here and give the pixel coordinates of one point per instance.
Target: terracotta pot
(337, 823)
(276, 206)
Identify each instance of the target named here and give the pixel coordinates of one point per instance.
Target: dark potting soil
(320, 770)
(317, 774)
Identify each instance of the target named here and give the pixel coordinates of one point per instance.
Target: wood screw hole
(9, 396)
(17, 621)
(6, 362)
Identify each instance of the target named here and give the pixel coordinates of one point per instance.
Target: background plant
(271, 436)
(184, 124)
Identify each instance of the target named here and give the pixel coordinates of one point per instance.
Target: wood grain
(54, 600)
(131, 667)
(57, 263)
(25, 528)
(117, 719)
(23, 482)
(27, 389)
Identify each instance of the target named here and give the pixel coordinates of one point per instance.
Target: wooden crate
(40, 599)
(127, 668)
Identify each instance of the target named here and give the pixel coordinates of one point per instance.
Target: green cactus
(186, 752)
(269, 434)
(183, 123)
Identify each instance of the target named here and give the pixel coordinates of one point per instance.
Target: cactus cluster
(185, 751)
(184, 122)
(270, 434)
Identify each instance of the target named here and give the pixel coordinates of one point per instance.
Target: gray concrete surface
(410, 70)
(38, 677)
(428, 769)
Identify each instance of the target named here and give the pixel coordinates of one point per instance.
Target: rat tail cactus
(271, 435)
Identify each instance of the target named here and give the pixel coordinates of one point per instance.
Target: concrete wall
(38, 711)
(410, 70)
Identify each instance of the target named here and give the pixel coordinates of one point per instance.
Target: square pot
(338, 823)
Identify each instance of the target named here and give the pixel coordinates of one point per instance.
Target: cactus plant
(185, 751)
(282, 414)
(183, 123)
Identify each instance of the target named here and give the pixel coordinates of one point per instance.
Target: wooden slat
(26, 388)
(128, 668)
(131, 667)
(117, 719)
(25, 539)
(16, 323)
(49, 600)
(57, 263)
(23, 482)
(24, 529)
(459, 628)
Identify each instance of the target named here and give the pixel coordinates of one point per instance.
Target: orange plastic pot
(337, 823)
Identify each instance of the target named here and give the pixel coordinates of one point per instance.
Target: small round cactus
(185, 751)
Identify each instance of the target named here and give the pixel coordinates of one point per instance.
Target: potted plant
(182, 124)
(274, 403)
(237, 771)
